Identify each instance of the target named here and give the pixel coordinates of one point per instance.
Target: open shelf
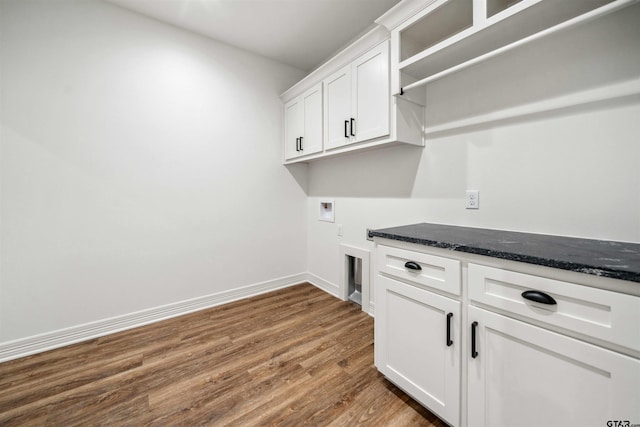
(509, 24)
(497, 6)
(575, 66)
(444, 22)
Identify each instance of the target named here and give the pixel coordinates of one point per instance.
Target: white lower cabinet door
(523, 375)
(417, 345)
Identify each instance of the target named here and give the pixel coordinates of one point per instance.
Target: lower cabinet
(532, 351)
(417, 338)
(524, 375)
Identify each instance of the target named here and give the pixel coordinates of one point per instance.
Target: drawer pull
(412, 266)
(474, 352)
(449, 340)
(538, 296)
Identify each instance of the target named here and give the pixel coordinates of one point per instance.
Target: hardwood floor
(293, 357)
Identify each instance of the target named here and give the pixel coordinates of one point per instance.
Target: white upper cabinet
(374, 89)
(356, 109)
(337, 108)
(303, 124)
(357, 100)
(370, 94)
(292, 127)
(312, 120)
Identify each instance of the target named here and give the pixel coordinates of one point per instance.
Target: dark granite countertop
(618, 260)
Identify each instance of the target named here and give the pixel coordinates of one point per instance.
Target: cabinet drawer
(431, 271)
(601, 314)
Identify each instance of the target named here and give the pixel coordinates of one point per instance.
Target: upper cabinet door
(351, 109)
(292, 127)
(370, 94)
(337, 108)
(312, 121)
(357, 100)
(303, 124)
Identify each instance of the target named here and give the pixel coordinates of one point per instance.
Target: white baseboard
(36, 344)
(328, 287)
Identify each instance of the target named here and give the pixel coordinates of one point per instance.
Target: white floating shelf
(523, 23)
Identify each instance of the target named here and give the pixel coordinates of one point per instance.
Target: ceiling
(300, 33)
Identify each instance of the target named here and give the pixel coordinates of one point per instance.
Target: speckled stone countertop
(618, 260)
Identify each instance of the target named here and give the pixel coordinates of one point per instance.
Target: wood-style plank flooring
(292, 357)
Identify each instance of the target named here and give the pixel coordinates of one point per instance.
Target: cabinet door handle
(346, 123)
(301, 149)
(412, 266)
(353, 121)
(538, 296)
(449, 340)
(474, 352)
(297, 144)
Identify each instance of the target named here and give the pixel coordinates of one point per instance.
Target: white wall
(570, 172)
(141, 166)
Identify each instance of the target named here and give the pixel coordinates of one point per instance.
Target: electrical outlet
(340, 230)
(472, 199)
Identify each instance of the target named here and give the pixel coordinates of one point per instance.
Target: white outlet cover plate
(472, 201)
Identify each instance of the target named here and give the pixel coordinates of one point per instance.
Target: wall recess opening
(354, 279)
(354, 285)
(327, 212)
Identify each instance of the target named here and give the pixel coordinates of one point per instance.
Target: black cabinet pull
(538, 296)
(352, 123)
(346, 123)
(474, 353)
(449, 341)
(301, 149)
(297, 144)
(412, 266)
